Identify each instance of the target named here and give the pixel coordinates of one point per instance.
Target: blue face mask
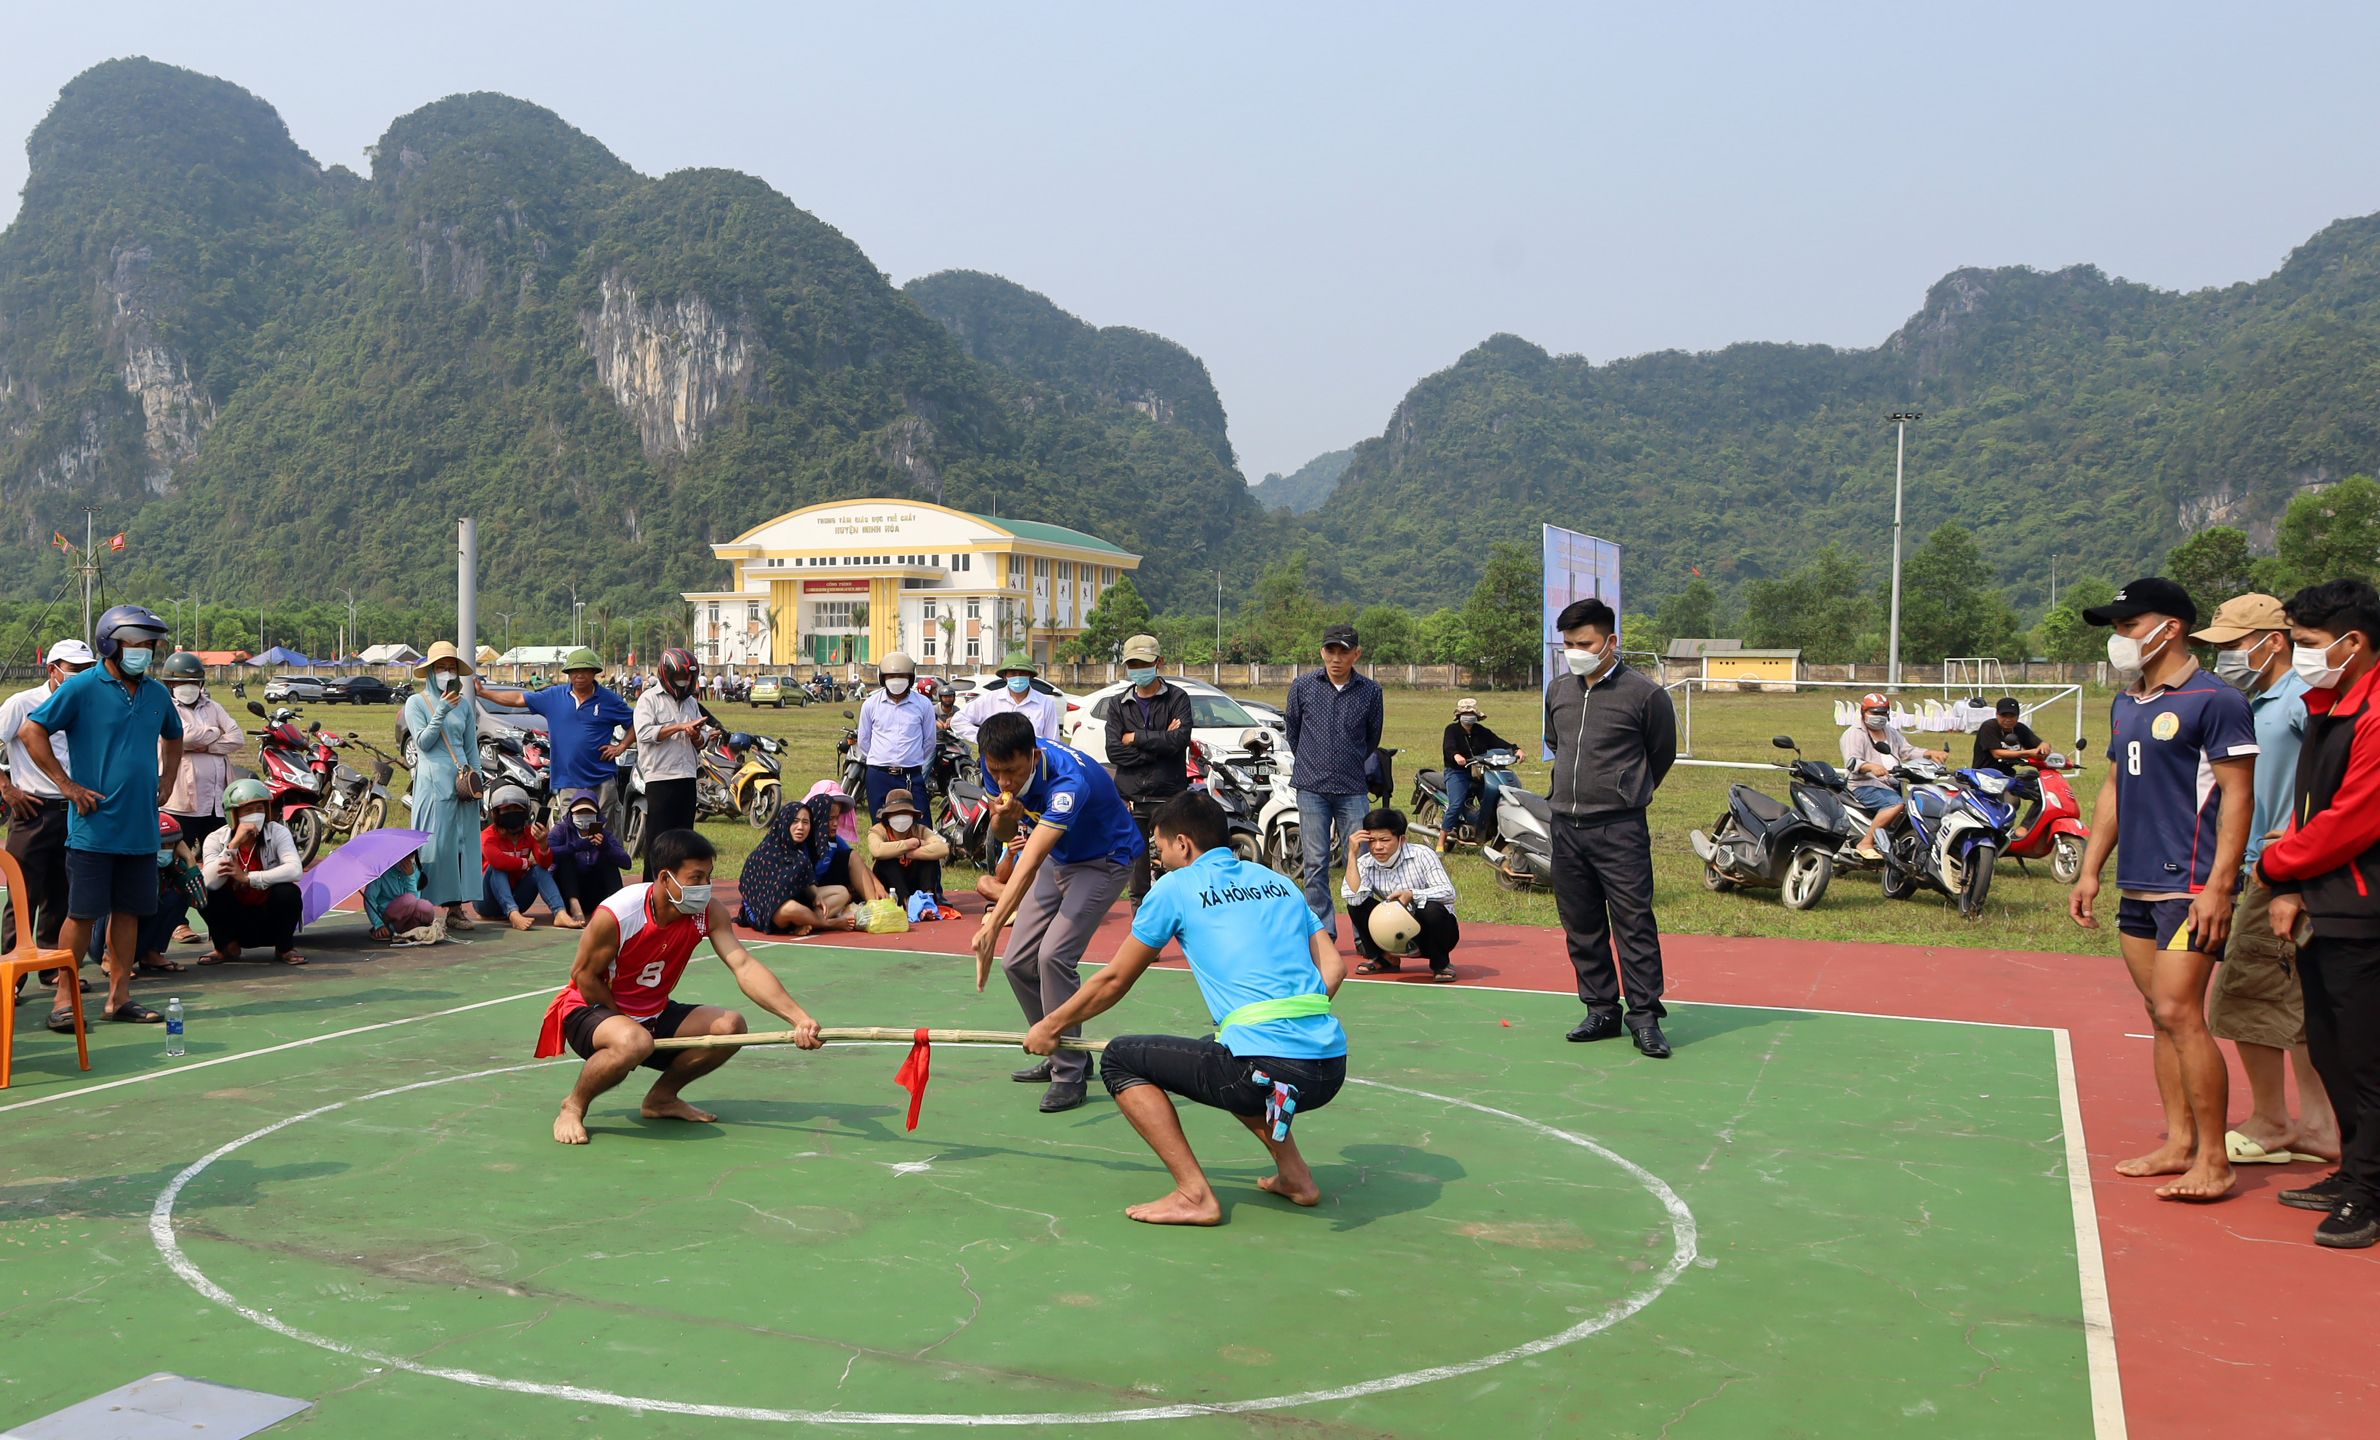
(165, 856)
(1140, 675)
(135, 662)
(1019, 684)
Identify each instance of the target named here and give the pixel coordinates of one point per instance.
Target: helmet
(897, 663)
(135, 618)
(1393, 928)
(182, 665)
(506, 796)
(244, 791)
(929, 687)
(678, 670)
(168, 829)
(581, 659)
(1874, 701)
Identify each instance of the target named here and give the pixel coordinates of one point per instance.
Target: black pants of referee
(669, 805)
(1603, 890)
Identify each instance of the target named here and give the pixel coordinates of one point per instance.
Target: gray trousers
(1603, 889)
(1053, 927)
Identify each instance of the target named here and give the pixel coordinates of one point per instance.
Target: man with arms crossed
(1071, 870)
(630, 956)
(1268, 971)
(2181, 760)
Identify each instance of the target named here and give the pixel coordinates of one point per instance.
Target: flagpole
(90, 566)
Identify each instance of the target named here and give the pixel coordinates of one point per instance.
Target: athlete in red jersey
(630, 956)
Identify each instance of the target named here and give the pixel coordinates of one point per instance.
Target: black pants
(590, 886)
(1202, 1070)
(669, 805)
(2342, 980)
(274, 923)
(1144, 811)
(196, 829)
(1440, 932)
(1603, 889)
(906, 880)
(39, 845)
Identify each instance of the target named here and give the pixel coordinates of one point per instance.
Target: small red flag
(116, 542)
(1695, 568)
(58, 538)
(912, 1076)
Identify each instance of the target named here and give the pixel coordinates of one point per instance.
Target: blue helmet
(124, 617)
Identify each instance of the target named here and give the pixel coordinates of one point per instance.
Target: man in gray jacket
(1614, 737)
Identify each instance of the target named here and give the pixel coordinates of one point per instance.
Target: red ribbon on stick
(913, 1073)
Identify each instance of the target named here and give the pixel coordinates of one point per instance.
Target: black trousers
(590, 887)
(196, 829)
(273, 923)
(39, 845)
(1144, 811)
(906, 880)
(669, 805)
(1440, 932)
(1603, 889)
(2342, 980)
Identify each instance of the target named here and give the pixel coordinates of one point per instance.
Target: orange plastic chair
(27, 959)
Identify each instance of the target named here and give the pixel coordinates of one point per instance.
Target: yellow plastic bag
(884, 917)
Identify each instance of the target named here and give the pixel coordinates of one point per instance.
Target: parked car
(1216, 719)
(968, 687)
(293, 689)
(777, 691)
(358, 690)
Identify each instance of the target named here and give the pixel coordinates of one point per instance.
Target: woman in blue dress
(444, 725)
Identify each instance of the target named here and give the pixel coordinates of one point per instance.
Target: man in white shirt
(669, 726)
(210, 737)
(1015, 693)
(897, 732)
(36, 811)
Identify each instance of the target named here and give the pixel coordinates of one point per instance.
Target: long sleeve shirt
(210, 736)
(897, 734)
(271, 860)
(1470, 744)
(1154, 765)
(513, 852)
(1411, 868)
(591, 851)
(656, 758)
(1045, 711)
(383, 892)
(1333, 731)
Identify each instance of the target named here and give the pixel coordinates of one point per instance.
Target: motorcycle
(2053, 824)
(715, 770)
(1429, 794)
(514, 759)
(1521, 847)
(355, 803)
(1241, 787)
(284, 757)
(823, 688)
(952, 762)
(848, 768)
(756, 788)
(1763, 841)
(1951, 833)
(965, 822)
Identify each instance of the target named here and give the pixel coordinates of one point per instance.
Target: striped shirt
(1413, 868)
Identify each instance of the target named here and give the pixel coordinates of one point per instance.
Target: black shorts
(2164, 921)
(1202, 1070)
(578, 1027)
(100, 885)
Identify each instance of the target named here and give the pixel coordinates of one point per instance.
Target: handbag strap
(449, 741)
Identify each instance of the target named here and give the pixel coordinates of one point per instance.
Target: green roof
(1052, 534)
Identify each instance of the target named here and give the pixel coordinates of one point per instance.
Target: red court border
(2228, 1318)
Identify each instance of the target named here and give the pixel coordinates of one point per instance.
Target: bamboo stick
(870, 1032)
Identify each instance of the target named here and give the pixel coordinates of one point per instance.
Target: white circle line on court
(1681, 1223)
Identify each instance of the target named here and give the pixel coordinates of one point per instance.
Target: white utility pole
(1900, 421)
(467, 591)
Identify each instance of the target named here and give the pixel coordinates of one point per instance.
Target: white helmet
(897, 663)
(1393, 928)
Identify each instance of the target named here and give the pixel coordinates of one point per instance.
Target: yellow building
(849, 582)
(1752, 669)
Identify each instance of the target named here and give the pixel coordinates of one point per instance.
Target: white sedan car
(1216, 720)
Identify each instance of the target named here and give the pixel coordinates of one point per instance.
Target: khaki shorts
(2258, 997)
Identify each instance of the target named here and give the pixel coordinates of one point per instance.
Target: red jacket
(2330, 854)
(513, 853)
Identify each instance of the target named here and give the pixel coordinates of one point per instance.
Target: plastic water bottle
(173, 1026)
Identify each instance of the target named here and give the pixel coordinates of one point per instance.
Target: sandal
(288, 957)
(132, 1012)
(1377, 967)
(216, 957)
(1442, 977)
(162, 967)
(62, 1022)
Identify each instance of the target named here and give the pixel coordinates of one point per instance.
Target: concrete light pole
(1900, 421)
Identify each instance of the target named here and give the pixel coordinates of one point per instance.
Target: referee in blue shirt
(1267, 970)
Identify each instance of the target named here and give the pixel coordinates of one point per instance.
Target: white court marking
(1681, 1222)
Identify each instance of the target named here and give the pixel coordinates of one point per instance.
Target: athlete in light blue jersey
(1268, 971)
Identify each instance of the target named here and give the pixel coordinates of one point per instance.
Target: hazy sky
(1326, 203)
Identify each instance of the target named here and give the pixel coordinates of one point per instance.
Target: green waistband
(1288, 1008)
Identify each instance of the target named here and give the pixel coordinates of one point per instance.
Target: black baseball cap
(1340, 635)
(2153, 596)
(2007, 706)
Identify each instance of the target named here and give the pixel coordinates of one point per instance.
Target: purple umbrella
(354, 865)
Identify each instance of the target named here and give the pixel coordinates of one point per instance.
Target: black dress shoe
(2323, 1194)
(1596, 1027)
(1063, 1095)
(1651, 1043)
(1033, 1074)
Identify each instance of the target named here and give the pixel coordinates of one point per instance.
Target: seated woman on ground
(251, 870)
(393, 902)
(993, 884)
(908, 854)
(802, 876)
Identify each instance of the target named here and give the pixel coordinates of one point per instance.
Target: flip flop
(132, 1012)
(1375, 967)
(1442, 977)
(2243, 1151)
(162, 967)
(289, 957)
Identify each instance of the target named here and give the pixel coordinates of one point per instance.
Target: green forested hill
(282, 380)
(1306, 487)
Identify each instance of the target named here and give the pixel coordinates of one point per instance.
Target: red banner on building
(834, 587)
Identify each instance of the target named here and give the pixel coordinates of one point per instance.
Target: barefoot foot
(1178, 1209)
(675, 1109)
(2209, 1181)
(569, 922)
(520, 920)
(570, 1127)
(2170, 1160)
(1275, 1185)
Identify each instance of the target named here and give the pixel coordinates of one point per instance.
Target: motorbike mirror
(312, 726)
(1783, 742)
(2081, 743)
(846, 714)
(254, 708)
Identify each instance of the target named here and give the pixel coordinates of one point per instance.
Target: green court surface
(1804, 1224)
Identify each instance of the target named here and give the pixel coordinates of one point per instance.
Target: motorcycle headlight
(1991, 784)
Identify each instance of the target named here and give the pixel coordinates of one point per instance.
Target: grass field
(2025, 911)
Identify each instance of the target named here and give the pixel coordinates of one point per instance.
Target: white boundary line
(2099, 1325)
(1681, 1223)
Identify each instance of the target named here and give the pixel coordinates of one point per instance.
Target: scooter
(1951, 833)
(2052, 823)
(282, 754)
(1429, 795)
(715, 768)
(505, 759)
(756, 787)
(964, 820)
(1241, 787)
(848, 768)
(1521, 847)
(1762, 841)
(353, 803)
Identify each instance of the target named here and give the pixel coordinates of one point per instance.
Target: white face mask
(694, 899)
(2312, 664)
(896, 685)
(2129, 658)
(901, 822)
(188, 694)
(1587, 662)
